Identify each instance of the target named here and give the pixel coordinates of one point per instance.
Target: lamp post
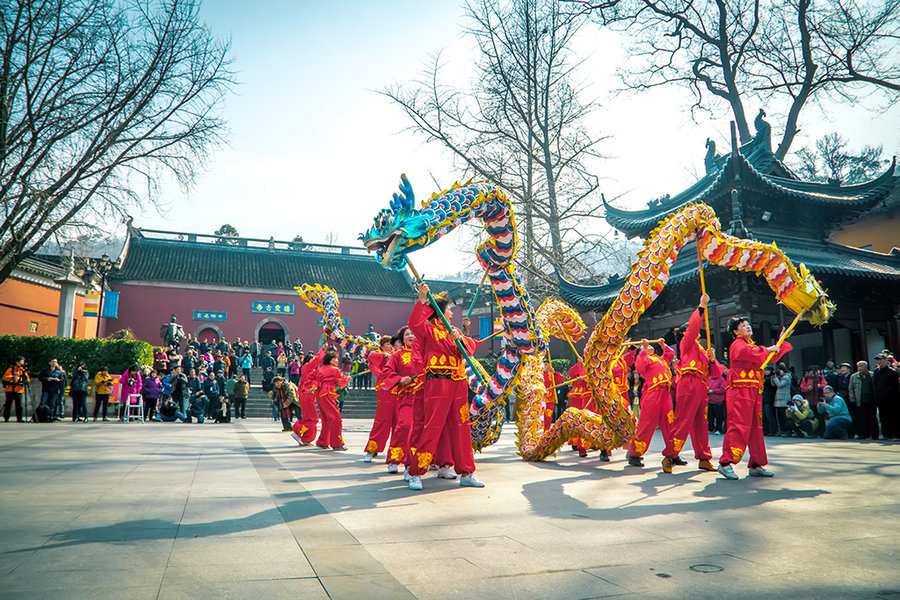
(104, 266)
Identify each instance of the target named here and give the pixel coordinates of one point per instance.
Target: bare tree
(520, 125)
(781, 54)
(831, 160)
(98, 99)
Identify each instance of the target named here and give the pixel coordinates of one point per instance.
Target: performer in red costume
(743, 401)
(579, 397)
(693, 369)
(328, 377)
(446, 392)
(403, 376)
(580, 394)
(656, 403)
(305, 427)
(386, 407)
(551, 380)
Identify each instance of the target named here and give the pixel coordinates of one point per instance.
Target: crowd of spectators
(204, 381)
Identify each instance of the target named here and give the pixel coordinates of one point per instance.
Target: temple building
(234, 287)
(48, 295)
(757, 196)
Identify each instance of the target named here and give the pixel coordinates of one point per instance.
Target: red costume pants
(331, 422)
(446, 409)
(744, 419)
(656, 411)
(690, 416)
(385, 421)
(306, 426)
(398, 449)
(580, 401)
(442, 455)
(549, 409)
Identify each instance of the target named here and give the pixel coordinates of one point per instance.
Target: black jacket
(52, 380)
(886, 384)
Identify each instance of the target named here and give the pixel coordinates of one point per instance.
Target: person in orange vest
(14, 381)
(694, 368)
(743, 400)
(656, 403)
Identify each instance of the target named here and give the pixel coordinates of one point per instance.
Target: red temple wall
(144, 308)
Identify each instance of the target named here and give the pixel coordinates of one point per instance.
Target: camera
(131, 381)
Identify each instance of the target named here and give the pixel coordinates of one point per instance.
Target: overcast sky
(316, 151)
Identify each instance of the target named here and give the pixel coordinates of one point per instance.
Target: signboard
(110, 305)
(92, 304)
(208, 315)
(32, 327)
(272, 308)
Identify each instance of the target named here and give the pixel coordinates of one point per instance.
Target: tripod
(28, 396)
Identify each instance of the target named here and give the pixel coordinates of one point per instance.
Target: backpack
(41, 414)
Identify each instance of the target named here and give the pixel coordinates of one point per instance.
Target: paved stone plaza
(239, 511)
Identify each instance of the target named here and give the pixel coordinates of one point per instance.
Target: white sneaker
(406, 474)
(297, 437)
(415, 482)
(392, 468)
(727, 471)
(367, 457)
(446, 473)
(760, 472)
(470, 481)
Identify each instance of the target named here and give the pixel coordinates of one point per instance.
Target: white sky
(315, 151)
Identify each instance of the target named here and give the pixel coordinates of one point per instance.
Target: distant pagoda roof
(755, 168)
(154, 256)
(821, 258)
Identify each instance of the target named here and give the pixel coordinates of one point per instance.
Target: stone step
(358, 404)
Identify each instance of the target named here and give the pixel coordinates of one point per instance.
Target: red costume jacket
(655, 370)
(405, 363)
(376, 361)
(440, 355)
(328, 378)
(745, 361)
(694, 360)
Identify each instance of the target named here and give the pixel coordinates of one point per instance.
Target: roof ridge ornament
(738, 229)
(709, 161)
(763, 130)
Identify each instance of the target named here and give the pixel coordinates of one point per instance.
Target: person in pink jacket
(131, 384)
(716, 399)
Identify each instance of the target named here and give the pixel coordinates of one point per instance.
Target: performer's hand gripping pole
(784, 336)
(449, 327)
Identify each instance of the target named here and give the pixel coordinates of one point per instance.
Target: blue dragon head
(401, 229)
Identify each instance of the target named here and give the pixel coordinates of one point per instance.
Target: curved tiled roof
(752, 173)
(819, 257)
(203, 263)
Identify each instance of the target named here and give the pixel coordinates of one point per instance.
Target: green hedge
(118, 355)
